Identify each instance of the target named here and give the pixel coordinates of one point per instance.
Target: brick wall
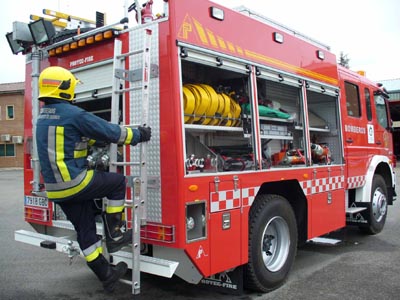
(12, 94)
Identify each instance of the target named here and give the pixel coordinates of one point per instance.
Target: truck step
(354, 210)
(152, 265)
(65, 224)
(324, 241)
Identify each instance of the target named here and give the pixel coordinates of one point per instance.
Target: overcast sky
(368, 31)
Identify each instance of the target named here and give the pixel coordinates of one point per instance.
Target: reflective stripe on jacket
(63, 132)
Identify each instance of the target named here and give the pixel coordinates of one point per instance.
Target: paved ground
(361, 267)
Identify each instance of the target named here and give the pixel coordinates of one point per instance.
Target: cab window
(368, 104)
(352, 100)
(381, 112)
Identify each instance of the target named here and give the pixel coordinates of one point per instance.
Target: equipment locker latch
(216, 182)
(235, 183)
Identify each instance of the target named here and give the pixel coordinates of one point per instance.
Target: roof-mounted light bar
(84, 41)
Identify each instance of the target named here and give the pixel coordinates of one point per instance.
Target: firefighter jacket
(63, 133)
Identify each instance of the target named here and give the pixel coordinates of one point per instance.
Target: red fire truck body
(260, 142)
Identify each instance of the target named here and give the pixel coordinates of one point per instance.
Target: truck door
(380, 121)
(355, 130)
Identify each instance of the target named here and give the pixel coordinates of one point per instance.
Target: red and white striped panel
(248, 195)
(229, 199)
(322, 185)
(356, 182)
(223, 200)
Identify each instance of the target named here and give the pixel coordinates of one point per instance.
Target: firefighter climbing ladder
(137, 182)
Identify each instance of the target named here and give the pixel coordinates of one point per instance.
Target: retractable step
(324, 241)
(354, 210)
(151, 265)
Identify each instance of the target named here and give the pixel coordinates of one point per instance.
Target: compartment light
(278, 37)
(320, 54)
(217, 13)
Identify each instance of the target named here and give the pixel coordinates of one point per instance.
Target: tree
(344, 60)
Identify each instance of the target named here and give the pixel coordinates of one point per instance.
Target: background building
(11, 124)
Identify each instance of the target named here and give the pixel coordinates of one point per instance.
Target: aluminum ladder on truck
(138, 82)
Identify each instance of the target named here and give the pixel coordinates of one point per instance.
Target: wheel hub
(267, 244)
(379, 205)
(275, 244)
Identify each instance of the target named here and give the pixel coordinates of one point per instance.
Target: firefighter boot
(115, 238)
(107, 274)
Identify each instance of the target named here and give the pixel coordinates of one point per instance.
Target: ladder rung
(129, 203)
(128, 90)
(126, 163)
(123, 55)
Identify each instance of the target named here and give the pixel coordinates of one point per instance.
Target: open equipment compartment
(219, 125)
(212, 97)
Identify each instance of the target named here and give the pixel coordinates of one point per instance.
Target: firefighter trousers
(81, 210)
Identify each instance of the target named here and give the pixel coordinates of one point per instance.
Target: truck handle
(349, 140)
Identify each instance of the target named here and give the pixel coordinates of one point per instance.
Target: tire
(377, 209)
(272, 243)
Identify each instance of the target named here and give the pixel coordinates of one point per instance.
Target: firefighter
(63, 133)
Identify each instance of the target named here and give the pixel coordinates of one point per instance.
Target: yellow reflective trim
(92, 256)
(129, 136)
(114, 209)
(60, 154)
(80, 153)
(74, 190)
(100, 249)
(91, 142)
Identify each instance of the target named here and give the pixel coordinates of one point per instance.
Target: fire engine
(261, 141)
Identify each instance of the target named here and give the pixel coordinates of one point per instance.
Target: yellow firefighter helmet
(57, 82)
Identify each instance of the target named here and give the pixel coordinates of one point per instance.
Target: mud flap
(225, 282)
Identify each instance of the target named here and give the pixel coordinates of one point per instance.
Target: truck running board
(151, 265)
(354, 210)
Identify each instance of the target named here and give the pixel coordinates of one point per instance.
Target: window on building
(10, 112)
(352, 100)
(7, 150)
(368, 104)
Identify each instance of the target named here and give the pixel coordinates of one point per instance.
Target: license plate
(36, 201)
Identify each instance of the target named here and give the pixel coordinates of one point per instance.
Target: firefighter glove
(145, 133)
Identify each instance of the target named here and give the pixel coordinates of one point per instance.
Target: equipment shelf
(195, 127)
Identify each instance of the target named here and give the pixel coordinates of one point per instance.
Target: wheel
(377, 207)
(272, 243)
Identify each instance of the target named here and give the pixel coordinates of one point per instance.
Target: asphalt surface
(360, 267)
